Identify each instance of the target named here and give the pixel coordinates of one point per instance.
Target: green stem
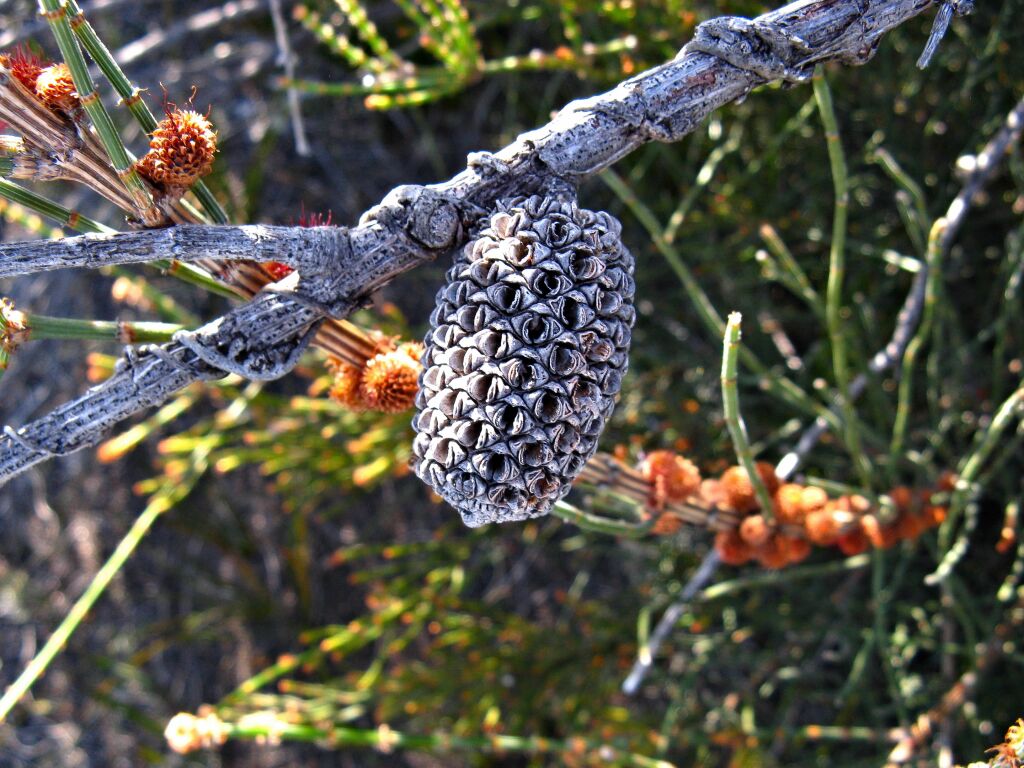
(791, 274)
(193, 276)
(65, 217)
(916, 223)
(125, 332)
(773, 578)
(880, 598)
(132, 97)
(836, 275)
(589, 522)
(933, 263)
(733, 416)
(56, 13)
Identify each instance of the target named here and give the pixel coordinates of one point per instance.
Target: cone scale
(528, 345)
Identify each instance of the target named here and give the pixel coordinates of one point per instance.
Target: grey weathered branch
(297, 247)
(728, 58)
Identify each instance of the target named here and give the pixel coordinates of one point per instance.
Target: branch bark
(413, 224)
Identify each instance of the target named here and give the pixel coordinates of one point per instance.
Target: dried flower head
(56, 88)
(711, 492)
(732, 550)
(666, 525)
(14, 330)
(390, 382)
(671, 476)
(24, 65)
(797, 549)
(934, 515)
(853, 542)
(909, 525)
(774, 553)
(181, 149)
(823, 527)
(1015, 738)
(755, 530)
(881, 536)
(412, 349)
(902, 498)
(789, 504)
(345, 389)
(740, 491)
(814, 498)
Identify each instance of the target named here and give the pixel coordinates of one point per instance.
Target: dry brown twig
(338, 267)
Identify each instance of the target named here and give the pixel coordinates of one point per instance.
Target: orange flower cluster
(56, 89)
(181, 149)
(24, 65)
(672, 477)
(51, 83)
(387, 382)
(801, 516)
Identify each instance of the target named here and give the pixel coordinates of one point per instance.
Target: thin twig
(645, 658)
(286, 60)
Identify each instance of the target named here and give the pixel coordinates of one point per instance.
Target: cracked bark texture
(339, 267)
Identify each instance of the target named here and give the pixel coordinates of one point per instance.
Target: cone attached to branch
(526, 353)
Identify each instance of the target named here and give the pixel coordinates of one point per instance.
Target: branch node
(760, 47)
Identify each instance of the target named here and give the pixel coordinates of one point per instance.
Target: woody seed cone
(527, 351)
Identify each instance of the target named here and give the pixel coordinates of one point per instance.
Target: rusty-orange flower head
(672, 477)
(181, 149)
(55, 87)
(740, 491)
(24, 65)
(346, 385)
(390, 381)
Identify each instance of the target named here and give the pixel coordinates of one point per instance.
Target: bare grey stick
(985, 165)
(307, 249)
(645, 658)
(286, 60)
(727, 58)
(261, 339)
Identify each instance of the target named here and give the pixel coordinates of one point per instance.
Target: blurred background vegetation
(298, 571)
